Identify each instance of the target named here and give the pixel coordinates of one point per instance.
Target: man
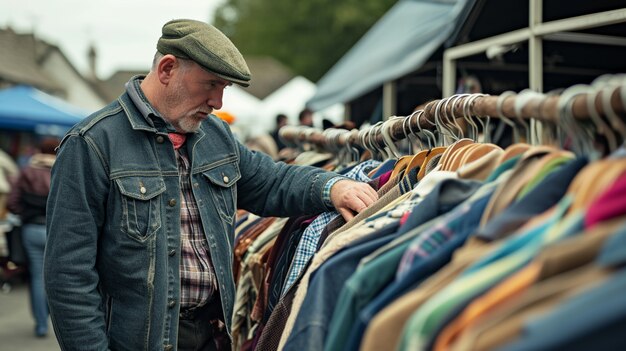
(281, 121)
(8, 171)
(141, 211)
(28, 200)
(305, 117)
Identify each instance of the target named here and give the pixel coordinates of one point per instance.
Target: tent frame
(535, 34)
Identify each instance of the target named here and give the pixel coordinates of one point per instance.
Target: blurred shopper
(263, 143)
(8, 171)
(281, 121)
(141, 212)
(305, 117)
(28, 200)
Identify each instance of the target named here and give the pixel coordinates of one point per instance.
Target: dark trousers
(201, 330)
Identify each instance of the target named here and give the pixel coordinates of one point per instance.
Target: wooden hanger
(512, 151)
(433, 152)
(455, 159)
(451, 149)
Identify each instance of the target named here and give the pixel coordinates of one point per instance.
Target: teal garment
(358, 290)
(505, 166)
(377, 271)
(550, 167)
(514, 254)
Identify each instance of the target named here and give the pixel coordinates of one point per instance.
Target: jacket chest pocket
(222, 181)
(141, 205)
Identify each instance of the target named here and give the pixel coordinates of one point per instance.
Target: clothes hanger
(601, 126)
(476, 153)
(361, 137)
(381, 150)
(525, 97)
(404, 161)
(504, 118)
(594, 178)
(450, 117)
(352, 150)
(472, 132)
(613, 117)
(447, 156)
(467, 112)
(418, 158)
(454, 161)
(440, 150)
(446, 127)
(393, 151)
(581, 138)
(517, 147)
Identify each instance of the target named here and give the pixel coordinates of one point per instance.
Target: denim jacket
(113, 219)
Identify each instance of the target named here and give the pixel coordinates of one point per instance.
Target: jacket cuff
(327, 188)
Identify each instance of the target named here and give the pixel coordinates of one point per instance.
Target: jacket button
(168, 347)
(171, 303)
(226, 179)
(160, 139)
(172, 252)
(172, 202)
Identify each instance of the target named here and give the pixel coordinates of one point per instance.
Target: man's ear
(166, 68)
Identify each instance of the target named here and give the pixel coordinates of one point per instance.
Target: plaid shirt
(308, 242)
(197, 276)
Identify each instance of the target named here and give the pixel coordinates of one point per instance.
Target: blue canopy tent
(24, 108)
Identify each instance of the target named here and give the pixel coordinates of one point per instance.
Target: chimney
(92, 56)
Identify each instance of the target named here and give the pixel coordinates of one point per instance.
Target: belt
(191, 313)
(208, 311)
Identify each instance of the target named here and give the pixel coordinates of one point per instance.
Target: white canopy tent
(290, 99)
(243, 105)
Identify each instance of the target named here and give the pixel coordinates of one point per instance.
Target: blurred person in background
(263, 143)
(8, 171)
(281, 121)
(305, 117)
(142, 206)
(28, 200)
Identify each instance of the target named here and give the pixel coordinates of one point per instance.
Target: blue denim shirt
(112, 257)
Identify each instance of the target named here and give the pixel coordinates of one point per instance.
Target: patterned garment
(308, 243)
(197, 277)
(430, 241)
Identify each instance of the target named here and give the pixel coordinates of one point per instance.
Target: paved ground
(16, 324)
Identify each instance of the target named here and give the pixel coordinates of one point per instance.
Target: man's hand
(350, 197)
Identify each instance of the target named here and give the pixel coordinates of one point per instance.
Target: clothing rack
(605, 97)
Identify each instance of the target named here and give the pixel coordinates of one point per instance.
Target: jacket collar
(141, 114)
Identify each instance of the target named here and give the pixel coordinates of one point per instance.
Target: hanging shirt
(308, 242)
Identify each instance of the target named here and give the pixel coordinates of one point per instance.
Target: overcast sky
(124, 32)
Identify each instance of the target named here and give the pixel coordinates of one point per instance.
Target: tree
(308, 36)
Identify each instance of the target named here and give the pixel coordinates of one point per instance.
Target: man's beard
(190, 122)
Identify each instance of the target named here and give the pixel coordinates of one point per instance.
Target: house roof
(21, 56)
(268, 74)
(113, 87)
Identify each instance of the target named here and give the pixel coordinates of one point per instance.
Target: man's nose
(215, 99)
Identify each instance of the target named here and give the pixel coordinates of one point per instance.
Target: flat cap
(205, 45)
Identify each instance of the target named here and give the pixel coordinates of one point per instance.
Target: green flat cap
(205, 45)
